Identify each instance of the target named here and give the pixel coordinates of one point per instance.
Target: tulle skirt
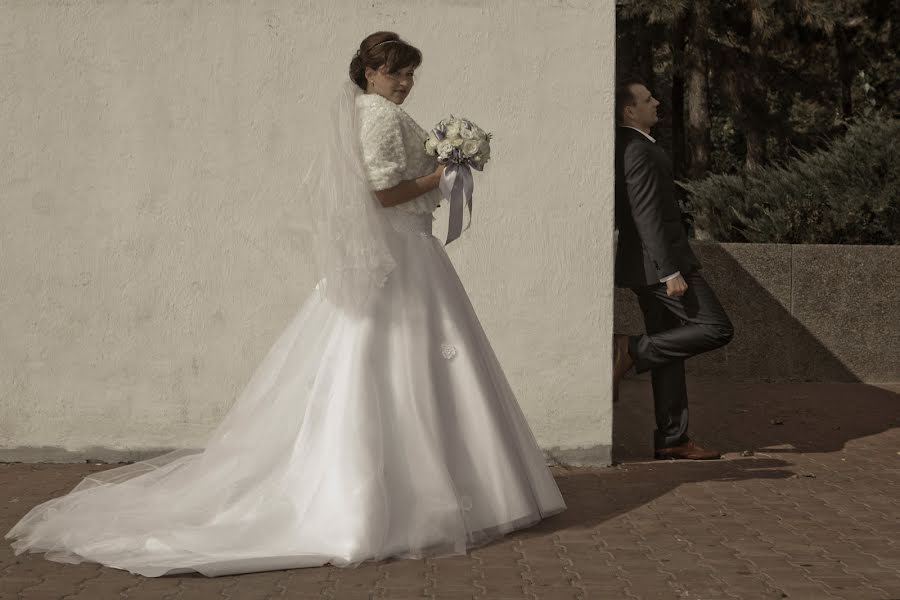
(391, 433)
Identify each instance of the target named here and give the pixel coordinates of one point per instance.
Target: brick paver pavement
(806, 505)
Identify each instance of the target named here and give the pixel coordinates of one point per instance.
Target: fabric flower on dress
(448, 351)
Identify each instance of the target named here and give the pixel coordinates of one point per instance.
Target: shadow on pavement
(779, 417)
(765, 419)
(593, 497)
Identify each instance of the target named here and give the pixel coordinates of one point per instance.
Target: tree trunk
(845, 70)
(645, 39)
(634, 51)
(625, 46)
(732, 93)
(757, 105)
(679, 31)
(697, 74)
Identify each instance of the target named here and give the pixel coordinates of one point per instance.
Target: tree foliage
(782, 78)
(844, 194)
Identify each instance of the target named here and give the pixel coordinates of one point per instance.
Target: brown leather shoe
(622, 361)
(686, 451)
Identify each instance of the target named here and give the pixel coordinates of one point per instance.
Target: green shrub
(848, 193)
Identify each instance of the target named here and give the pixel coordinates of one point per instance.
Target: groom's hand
(675, 288)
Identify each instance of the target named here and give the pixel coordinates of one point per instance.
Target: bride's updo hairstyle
(382, 48)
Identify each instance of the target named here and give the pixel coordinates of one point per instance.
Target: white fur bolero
(393, 149)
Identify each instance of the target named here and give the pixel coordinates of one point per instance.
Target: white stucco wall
(149, 246)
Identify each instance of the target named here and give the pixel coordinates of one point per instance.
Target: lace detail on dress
(423, 205)
(409, 222)
(448, 351)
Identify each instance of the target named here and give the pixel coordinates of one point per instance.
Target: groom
(682, 315)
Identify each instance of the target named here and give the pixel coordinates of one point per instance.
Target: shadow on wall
(819, 314)
(801, 313)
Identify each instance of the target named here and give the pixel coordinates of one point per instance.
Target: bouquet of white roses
(462, 146)
(459, 141)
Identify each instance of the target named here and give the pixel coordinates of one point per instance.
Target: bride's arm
(410, 189)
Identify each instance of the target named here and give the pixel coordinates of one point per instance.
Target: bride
(380, 423)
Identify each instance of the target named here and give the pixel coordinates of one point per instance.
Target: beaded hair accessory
(386, 42)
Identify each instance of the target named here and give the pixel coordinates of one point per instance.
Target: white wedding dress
(387, 433)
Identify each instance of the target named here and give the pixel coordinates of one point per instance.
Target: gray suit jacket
(652, 241)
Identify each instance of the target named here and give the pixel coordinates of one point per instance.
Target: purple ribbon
(457, 186)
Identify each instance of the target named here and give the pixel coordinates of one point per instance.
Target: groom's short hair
(624, 97)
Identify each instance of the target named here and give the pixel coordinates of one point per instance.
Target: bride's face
(393, 86)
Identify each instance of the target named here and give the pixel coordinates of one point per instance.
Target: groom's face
(643, 112)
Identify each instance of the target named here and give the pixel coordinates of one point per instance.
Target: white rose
(431, 145)
(453, 130)
(470, 148)
(457, 142)
(444, 148)
(467, 133)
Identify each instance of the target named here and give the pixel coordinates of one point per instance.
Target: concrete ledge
(801, 312)
(597, 456)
